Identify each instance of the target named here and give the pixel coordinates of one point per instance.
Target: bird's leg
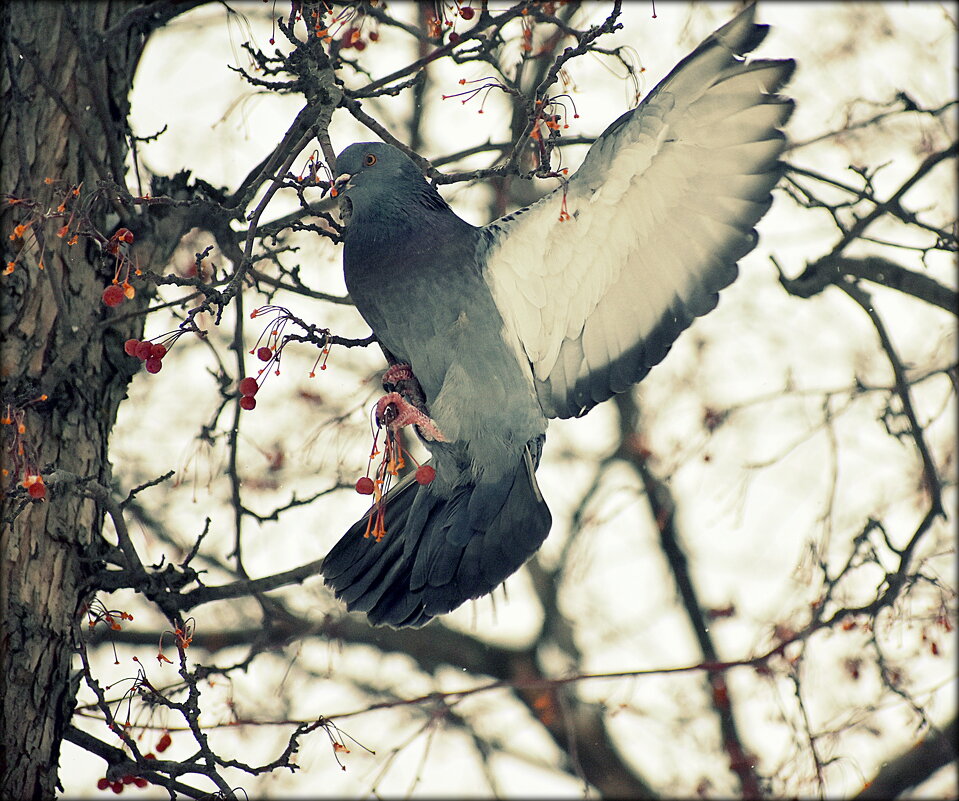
(405, 404)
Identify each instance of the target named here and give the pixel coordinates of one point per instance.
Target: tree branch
(663, 508)
(913, 767)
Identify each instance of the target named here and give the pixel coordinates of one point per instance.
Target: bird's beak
(341, 183)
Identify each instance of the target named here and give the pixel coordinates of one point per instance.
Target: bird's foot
(397, 373)
(399, 378)
(394, 411)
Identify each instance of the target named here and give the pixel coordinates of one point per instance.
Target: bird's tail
(438, 550)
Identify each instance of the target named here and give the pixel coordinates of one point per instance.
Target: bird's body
(427, 301)
(537, 315)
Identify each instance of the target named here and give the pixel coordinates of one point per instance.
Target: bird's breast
(438, 314)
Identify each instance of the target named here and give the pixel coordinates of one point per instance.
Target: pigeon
(544, 313)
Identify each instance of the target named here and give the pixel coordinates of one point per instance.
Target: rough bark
(63, 118)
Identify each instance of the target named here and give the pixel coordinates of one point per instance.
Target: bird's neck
(394, 229)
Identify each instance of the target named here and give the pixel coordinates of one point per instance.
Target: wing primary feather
(664, 205)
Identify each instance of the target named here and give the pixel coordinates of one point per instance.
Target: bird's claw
(394, 411)
(396, 373)
(399, 378)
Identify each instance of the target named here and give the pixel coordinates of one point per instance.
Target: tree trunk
(63, 113)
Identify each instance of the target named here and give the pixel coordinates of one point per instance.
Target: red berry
(164, 742)
(103, 783)
(113, 295)
(151, 755)
(454, 37)
(374, 36)
(143, 351)
(365, 486)
(154, 365)
(360, 45)
(248, 386)
(117, 787)
(264, 354)
(466, 12)
(37, 490)
(247, 402)
(425, 474)
(139, 781)
(130, 347)
(158, 351)
(128, 779)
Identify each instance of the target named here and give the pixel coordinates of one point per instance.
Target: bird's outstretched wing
(661, 210)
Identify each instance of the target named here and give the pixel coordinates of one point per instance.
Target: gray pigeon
(534, 316)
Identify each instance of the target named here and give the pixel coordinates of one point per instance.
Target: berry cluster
(424, 475)
(552, 114)
(310, 174)
(117, 292)
(248, 388)
(138, 781)
(20, 455)
(64, 206)
(347, 24)
(119, 784)
(150, 353)
(36, 489)
(97, 612)
(351, 38)
(435, 25)
(390, 465)
(25, 234)
(269, 349)
(162, 744)
(469, 94)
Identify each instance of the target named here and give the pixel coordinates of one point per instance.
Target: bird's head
(376, 177)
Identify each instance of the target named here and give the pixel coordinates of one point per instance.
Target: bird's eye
(370, 160)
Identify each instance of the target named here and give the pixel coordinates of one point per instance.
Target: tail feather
(355, 571)
(439, 551)
(439, 556)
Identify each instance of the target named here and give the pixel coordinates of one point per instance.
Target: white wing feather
(661, 209)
